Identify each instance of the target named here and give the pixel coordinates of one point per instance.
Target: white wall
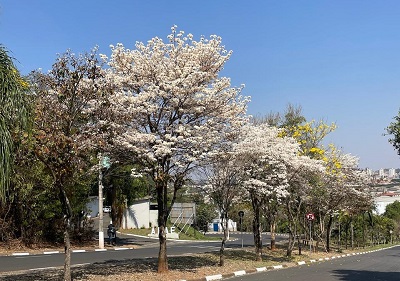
(382, 201)
(137, 215)
(232, 226)
(153, 218)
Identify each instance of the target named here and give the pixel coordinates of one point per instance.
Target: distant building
(216, 226)
(383, 200)
(144, 214)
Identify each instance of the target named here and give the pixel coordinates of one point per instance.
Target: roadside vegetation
(159, 121)
(192, 267)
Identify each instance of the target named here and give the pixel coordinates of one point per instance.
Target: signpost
(310, 217)
(104, 162)
(241, 214)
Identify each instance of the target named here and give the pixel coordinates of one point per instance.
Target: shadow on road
(362, 275)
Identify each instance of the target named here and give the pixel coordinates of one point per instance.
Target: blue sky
(338, 60)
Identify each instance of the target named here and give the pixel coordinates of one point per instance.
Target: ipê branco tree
(224, 179)
(171, 109)
(266, 157)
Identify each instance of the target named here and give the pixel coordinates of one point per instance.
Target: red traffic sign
(310, 216)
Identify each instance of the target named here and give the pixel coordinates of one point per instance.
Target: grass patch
(136, 231)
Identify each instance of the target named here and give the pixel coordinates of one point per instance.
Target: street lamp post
(101, 228)
(104, 162)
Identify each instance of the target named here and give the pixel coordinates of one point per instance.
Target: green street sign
(105, 163)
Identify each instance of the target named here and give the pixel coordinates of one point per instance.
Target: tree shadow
(248, 254)
(114, 267)
(362, 275)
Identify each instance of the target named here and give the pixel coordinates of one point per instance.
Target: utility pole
(101, 228)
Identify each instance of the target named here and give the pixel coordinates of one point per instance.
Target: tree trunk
(273, 236)
(67, 227)
(363, 229)
(352, 234)
(292, 227)
(67, 250)
(162, 222)
(328, 234)
(290, 245)
(299, 243)
(162, 254)
(257, 228)
(224, 239)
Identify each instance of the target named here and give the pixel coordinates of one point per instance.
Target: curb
(16, 254)
(277, 267)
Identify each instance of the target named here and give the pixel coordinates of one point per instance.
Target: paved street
(145, 248)
(381, 265)
(378, 266)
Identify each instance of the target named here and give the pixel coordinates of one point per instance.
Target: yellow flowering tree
(303, 177)
(340, 189)
(310, 135)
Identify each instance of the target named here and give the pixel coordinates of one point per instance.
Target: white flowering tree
(305, 171)
(171, 109)
(303, 174)
(224, 179)
(340, 190)
(266, 156)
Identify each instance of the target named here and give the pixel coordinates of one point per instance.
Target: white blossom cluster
(170, 107)
(266, 157)
(345, 183)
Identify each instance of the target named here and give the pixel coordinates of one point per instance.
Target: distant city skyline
(338, 60)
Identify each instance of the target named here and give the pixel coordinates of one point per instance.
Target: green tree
(14, 114)
(393, 211)
(63, 129)
(394, 130)
(205, 213)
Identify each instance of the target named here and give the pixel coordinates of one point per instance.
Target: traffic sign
(310, 216)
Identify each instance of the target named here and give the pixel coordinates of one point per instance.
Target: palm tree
(13, 114)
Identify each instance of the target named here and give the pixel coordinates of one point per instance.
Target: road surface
(382, 265)
(147, 248)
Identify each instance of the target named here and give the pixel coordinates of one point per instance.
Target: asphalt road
(147, 248)
(377, 266)
(13, 263)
